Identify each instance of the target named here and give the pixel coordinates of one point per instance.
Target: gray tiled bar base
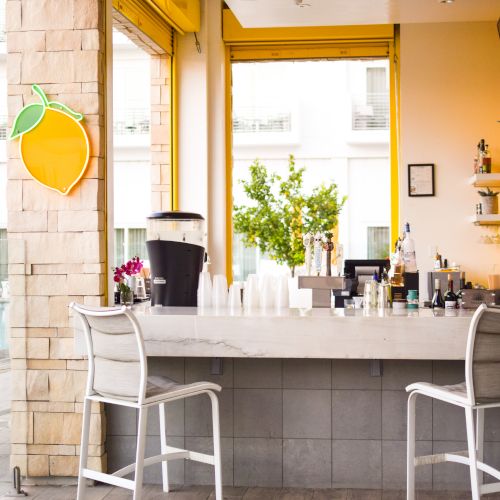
(306, 423)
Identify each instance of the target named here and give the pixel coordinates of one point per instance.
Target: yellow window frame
(268, 44)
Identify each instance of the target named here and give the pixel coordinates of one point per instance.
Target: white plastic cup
(282, 293)
(234, 301)
(219, 294)
(205, 290)
(267, 291)
(251, 292)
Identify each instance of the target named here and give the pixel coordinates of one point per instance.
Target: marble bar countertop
(305, 333)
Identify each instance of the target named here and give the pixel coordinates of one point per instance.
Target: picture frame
(421, 179)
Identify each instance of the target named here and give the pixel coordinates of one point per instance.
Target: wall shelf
(484, 180)
(485, 220)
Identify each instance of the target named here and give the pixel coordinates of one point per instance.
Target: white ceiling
(273, 13)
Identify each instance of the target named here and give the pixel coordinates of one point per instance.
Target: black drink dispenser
(176, 244)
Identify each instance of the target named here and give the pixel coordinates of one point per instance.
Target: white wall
(201, 128)
(450, 98)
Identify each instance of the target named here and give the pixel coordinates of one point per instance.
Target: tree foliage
(280, 213)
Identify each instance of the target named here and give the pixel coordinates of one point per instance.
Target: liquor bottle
(450, 298)
(437, 300)
(409, 256)
(462, 287)
(486, 160)
(437, 261)
(397, 267)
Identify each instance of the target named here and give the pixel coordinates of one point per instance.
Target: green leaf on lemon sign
(27, 119)
(62, 107)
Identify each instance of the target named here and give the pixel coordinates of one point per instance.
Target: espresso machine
(176, 243)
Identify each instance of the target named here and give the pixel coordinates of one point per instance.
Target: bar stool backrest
(482, 368)
(116, 353)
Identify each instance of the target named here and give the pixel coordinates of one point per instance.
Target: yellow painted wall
(450, 98)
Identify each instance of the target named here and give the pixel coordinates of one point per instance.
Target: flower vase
(127, 297)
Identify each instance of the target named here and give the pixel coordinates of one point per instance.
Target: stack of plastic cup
(219, 293)
(205, 290)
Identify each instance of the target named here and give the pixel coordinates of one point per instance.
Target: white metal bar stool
(118, 374)
(480, 391)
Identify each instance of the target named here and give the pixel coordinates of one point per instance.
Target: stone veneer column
(160, 133)
(57, 244)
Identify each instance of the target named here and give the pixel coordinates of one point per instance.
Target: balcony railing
(261, 120)
(132, 122)
(371, 111)
(3, 128)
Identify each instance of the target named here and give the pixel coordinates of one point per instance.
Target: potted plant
(123, 275)
(489, 201)
(280, 213)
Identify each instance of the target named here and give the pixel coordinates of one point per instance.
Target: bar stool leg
(480, 441)
(217, 453)
(471, 445)
(163, 441)
(410, 455)
(139, 457)
(84, 449)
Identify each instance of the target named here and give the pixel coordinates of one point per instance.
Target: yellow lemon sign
(53, 144)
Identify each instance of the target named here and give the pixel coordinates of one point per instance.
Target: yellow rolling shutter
(148, 21)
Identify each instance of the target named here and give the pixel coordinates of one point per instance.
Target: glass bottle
(450, 298)
(409, 256)
(437, 299)
(486, 160)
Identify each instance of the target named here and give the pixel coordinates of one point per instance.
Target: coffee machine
(176, 243)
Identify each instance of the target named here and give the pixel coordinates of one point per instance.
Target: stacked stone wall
(57, 244)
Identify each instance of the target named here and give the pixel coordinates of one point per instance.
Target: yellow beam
(234, 33)
(395, 107)
(184, 14)
(229, 165)
(174, 123)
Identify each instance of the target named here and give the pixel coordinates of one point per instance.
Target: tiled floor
(206, 493)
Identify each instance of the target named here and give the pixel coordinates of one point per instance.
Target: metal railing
(371, 111)
(3, 128)
(132, 122)
(261, 120)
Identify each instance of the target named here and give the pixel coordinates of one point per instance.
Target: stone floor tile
(262, 494)
(330, 494)
(364, 495)
(231, 493)
(296, 494)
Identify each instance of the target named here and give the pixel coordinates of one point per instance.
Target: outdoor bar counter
(305, 333)
(305, 401)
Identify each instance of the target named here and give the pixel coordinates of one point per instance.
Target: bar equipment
(322, 287)
(308, 241)
(318, 252)
(176, 243)
(328, 247)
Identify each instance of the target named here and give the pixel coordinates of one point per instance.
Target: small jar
(412, 299)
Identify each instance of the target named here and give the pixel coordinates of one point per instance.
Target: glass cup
(219, 293)
(349, 304)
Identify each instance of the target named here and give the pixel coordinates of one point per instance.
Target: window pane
(378, 243)
(119, 247)
(3, 254)
(333, 117)
(137, 243)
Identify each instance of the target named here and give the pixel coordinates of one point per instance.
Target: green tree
(280, 213)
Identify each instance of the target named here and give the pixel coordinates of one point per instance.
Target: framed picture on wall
(421, 179)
